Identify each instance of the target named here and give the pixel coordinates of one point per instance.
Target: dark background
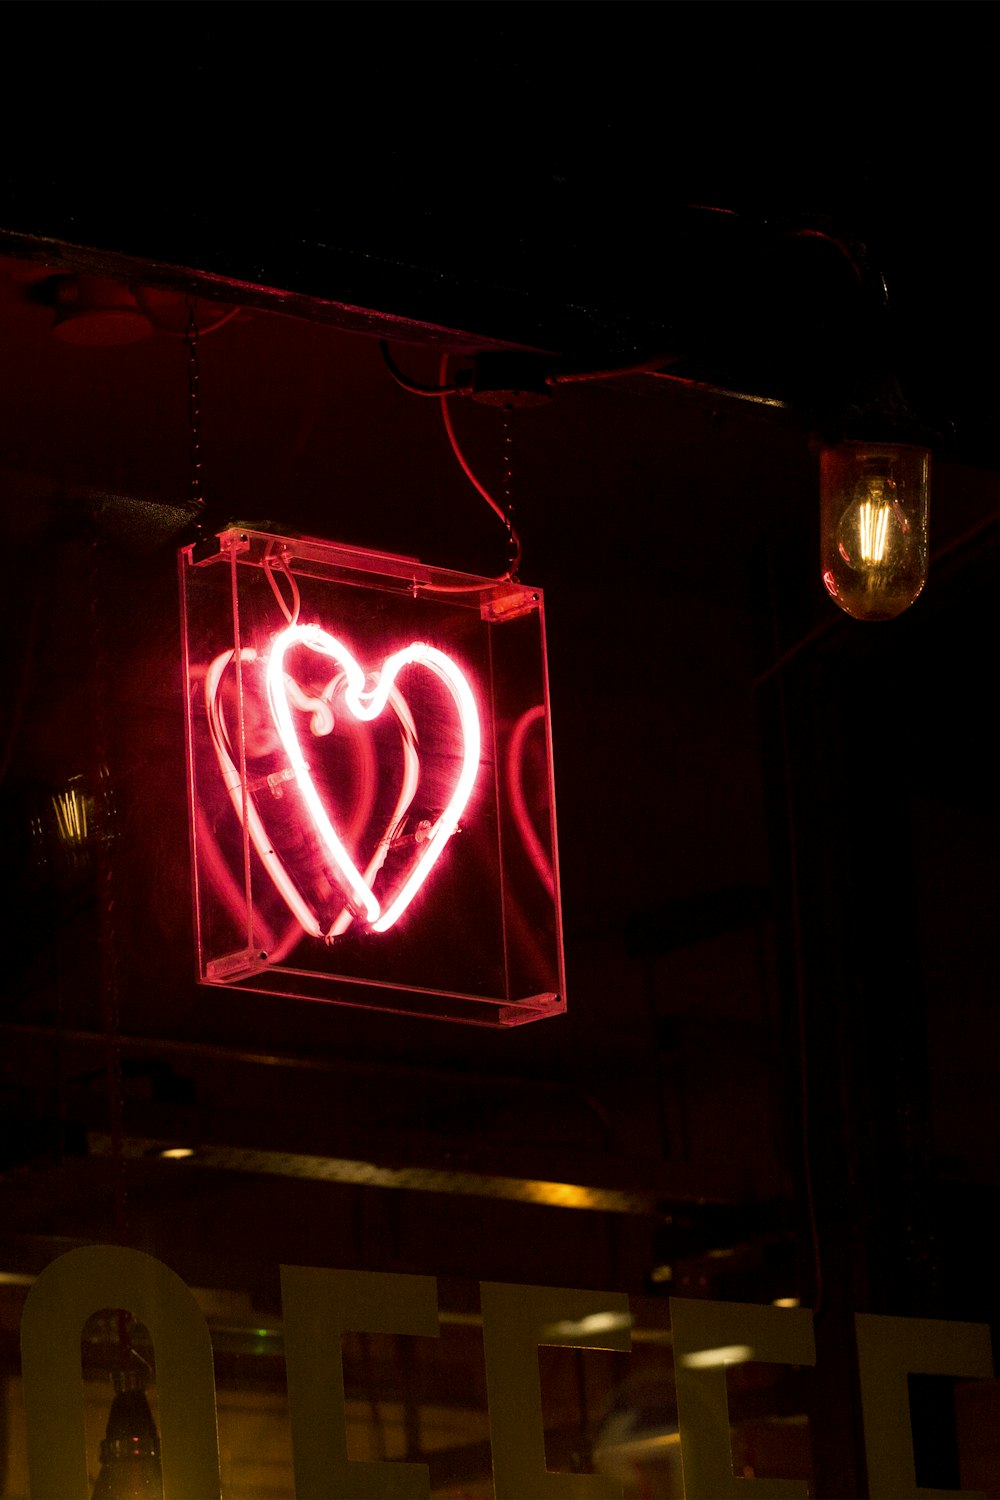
(778, 826)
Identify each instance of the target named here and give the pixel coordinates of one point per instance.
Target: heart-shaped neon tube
(244, 804)
(321, 723)
(366, 706)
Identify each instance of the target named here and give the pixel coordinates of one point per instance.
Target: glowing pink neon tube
(441, 831)
(234, 785)
(366, 706)
(411, 776)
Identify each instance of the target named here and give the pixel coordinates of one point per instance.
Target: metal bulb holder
(874, 505)
(130, 1449)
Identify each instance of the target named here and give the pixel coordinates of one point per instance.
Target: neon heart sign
(369, 781)
(365, 704)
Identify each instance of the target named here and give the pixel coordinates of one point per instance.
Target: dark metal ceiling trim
(379, 300)
(664, 1184)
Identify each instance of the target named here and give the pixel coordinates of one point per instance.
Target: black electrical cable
(410, 385)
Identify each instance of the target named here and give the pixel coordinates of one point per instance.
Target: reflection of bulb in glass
(874, 526)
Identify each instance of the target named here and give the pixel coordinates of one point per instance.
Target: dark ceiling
(772, 198)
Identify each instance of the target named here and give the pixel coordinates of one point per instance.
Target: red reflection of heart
(367, 705)
(531, 838)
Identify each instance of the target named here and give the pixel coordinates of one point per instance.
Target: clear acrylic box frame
(370, 781)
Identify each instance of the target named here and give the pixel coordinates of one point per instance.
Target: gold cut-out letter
(67, 1293)
(516, 1319)
(319, 1307)
(889, 1349)
(707, 1337)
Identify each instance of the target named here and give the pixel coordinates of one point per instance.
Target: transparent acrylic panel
(371, 795)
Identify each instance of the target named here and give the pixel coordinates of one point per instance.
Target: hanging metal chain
(194, 404)
(513, 542)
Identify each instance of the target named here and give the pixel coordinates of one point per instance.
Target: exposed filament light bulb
(873, 518)
(874, 514)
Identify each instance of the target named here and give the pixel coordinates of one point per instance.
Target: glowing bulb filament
(70, 808)
(873, 530)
